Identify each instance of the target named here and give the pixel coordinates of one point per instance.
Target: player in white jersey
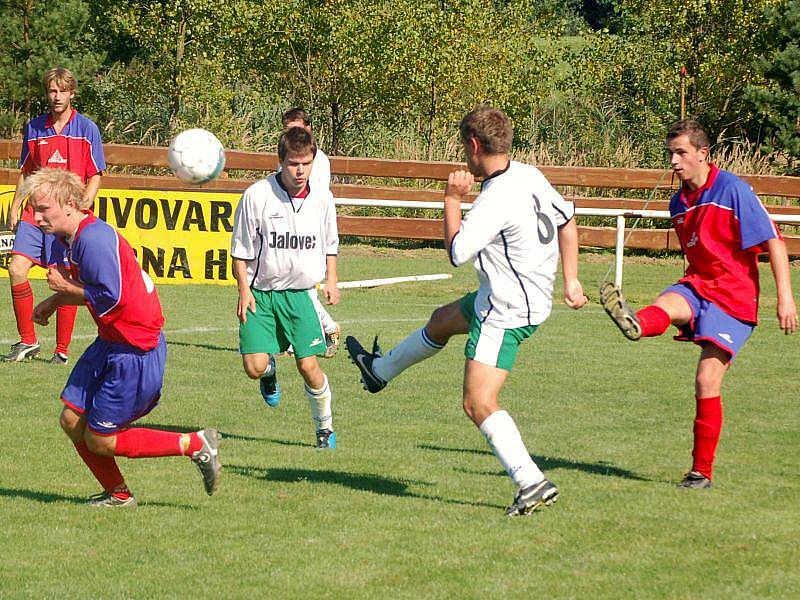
(320, 179)
(513, 234)
(284, 241)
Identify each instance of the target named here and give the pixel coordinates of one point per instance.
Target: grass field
(411, 503)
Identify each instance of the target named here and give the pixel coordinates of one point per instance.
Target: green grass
(411, 503)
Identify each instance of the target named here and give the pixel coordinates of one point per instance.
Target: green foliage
(35, 36)
(778, 103)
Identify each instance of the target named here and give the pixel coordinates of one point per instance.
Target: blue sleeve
(96, 253)
(25, 152)
(96, 143)
(755, 226)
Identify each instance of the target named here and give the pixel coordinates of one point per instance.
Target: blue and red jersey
(722, 227)
(120, 296)
(77, 148)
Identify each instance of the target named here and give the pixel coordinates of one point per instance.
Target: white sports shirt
(511, 234)
(320, 172)
(284, 240)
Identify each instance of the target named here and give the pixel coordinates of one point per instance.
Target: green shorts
(489, 344)
(283, 318)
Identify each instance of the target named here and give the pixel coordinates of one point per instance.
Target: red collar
(48, 122)
(690, 197)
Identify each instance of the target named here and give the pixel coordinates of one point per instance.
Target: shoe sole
(617, 308)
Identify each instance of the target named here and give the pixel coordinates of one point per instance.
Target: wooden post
(683, 93)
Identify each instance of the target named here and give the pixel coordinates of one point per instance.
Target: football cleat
(363, 360)
(268, 384)
(326, 439)
(617, 308)
(20, 352)
(332, 342)
(109, 500)
(532, 497)
(207, 459)
(59, 358)
(695, 481)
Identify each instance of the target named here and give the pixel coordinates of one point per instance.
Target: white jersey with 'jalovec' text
(284, 240)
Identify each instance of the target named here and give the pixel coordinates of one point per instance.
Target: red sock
(654, 320)
(22, 299)
(707, 427)
(147, 443)
(104, 469)
(65, 322)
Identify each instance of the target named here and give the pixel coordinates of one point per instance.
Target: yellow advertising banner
(179, 237)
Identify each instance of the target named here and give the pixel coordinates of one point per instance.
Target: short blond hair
(62, 77)
(59, 184)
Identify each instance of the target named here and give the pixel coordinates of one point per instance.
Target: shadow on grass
(546, 463)
(52, 498)
(375, 484)
(203, 346)
(223, 434)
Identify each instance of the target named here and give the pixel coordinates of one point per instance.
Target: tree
(36, 36)
(778, 103)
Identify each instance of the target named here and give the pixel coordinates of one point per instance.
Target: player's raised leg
(262, 366)
(331, 328)
(378, 369)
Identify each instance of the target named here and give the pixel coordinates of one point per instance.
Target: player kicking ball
(512, 234)
(119, 378)
(284, 241)
(722, 227)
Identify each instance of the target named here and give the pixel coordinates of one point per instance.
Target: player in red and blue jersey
(61, 139)
(119, 377)
(722, 227)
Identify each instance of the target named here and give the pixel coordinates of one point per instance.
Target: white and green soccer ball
(196, 156)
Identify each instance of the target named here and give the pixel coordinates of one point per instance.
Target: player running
(61, 139)
(512, 234)
(119, 377)
(284, 241)
(722, 227)
(320, 179)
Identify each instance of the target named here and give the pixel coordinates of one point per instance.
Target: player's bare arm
(246, 300)
(458, 186)
(16, 204)
(332, 294)
(786, 309)
(568, 248)
(92, 187)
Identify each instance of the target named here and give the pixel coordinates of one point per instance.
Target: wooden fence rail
(569, 180)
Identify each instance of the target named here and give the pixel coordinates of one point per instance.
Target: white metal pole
(620, 250)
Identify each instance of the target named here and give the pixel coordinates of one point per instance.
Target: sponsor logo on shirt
(42, 142)
(692, 241)
(290, 241)
(57, 158)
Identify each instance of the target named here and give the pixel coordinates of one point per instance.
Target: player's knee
(707, 384)
(311, 372)
(70, 423)
(254, 367)
(18, 269)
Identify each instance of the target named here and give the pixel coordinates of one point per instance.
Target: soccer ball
(196, 156)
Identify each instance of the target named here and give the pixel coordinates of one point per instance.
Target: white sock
(415, 348)
(320, 403)
(505, 441)
(328, 324)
